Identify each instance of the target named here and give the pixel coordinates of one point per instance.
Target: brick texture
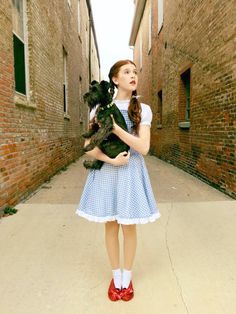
(198, 35)
(36, 138)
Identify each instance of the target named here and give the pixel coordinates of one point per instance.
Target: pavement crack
(171, 261)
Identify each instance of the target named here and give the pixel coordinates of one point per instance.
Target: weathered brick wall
(7, 149)
(144, 73)
(36, 138)
(199, 35)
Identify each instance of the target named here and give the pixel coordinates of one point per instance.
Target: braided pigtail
(112, 88)
(134, 111)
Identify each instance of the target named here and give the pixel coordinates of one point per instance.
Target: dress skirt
(121, 193)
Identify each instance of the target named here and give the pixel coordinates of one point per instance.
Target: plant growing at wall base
(9, 211)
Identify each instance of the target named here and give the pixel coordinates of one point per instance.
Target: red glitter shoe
(127, 294)
(113, 292)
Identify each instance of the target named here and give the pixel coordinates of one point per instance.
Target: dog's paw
(95, 164)
(88, 147)
(87, 164)
(86, 135)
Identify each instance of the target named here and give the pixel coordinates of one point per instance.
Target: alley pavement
(52, 261)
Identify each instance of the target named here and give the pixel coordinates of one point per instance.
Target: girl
(120, 193)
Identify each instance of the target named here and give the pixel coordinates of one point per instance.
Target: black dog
(101, 130)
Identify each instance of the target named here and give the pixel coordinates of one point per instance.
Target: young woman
(120, 193)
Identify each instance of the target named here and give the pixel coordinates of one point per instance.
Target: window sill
(66, 116)
(184, 125)
(22, 101)
(159, 126)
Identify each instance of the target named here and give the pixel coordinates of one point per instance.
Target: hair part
(134, 109)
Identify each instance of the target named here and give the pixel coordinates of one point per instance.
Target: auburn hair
(134, 109)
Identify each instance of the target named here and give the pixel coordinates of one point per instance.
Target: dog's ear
(106, 85)
(85, 96)
(93, 82)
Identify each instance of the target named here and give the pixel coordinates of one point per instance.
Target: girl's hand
(115, 125)
(121, 159)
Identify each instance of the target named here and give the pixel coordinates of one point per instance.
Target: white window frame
(65, 82)
(26, 56)
(141, 52)
(160, 14)
(79, 17)
(150, 30)
(87, 41)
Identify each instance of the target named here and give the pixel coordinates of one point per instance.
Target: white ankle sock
(126, 278)
(117, 277)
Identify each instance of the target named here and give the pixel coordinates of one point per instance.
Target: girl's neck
(121, 95)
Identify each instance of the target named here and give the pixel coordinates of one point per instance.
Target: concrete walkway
(52, 261)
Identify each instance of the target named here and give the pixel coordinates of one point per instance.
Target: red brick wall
(144, 73)
(36, 138)
(7, 150)
(197, 35)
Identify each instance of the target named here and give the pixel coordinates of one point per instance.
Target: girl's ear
(114, 80)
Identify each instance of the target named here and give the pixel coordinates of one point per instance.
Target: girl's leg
(113, 251)
(112, 243)
(130, 243)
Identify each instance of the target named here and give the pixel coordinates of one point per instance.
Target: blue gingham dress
(121, 193)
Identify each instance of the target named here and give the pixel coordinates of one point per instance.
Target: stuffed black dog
(100, 131)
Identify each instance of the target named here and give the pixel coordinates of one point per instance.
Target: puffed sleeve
(146, 115)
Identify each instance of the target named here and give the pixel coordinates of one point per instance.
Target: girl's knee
(129, 229)
(112, 226)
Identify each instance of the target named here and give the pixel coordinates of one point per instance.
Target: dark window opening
(159, 107)
(65, 82)
(19, 65)
(185, 79)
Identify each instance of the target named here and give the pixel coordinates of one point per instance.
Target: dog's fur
(100, 131)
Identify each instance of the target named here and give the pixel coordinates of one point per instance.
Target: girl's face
(127, 78)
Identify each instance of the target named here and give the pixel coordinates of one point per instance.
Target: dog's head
(98, 94)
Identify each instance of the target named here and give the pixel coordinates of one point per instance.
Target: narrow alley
(180, 81)
(54, 262)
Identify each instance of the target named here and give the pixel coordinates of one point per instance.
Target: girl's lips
(133, 82)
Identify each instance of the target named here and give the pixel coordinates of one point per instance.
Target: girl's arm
(139, 142)
(121, 159)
